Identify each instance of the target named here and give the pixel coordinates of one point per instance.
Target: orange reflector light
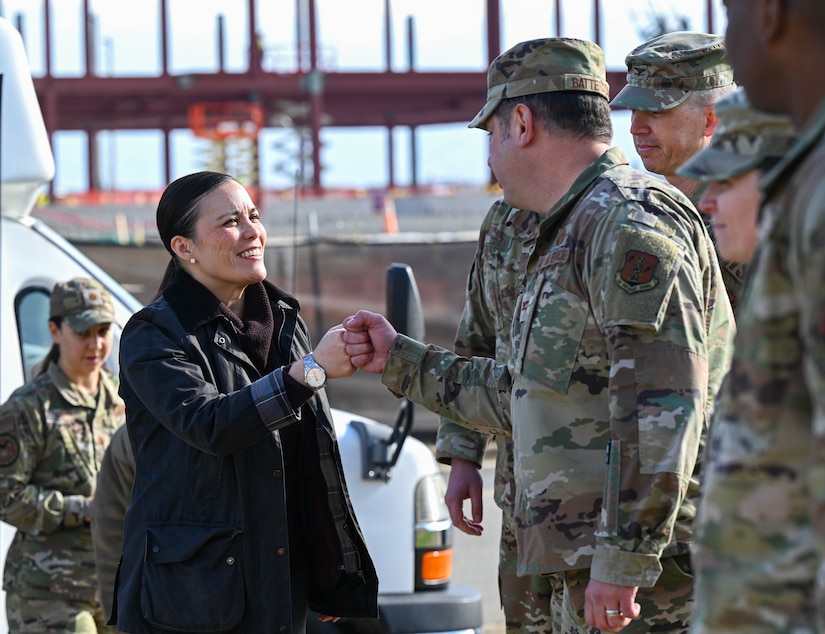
(437, 566)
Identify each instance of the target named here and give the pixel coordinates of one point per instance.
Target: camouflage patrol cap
(544, 65)
(744, 138)
(83, 303)
(662, 73)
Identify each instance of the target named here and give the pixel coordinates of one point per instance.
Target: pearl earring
(192, 260)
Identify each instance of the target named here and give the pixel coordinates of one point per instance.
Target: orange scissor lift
(232, 129)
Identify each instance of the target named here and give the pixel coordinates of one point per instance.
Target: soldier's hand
(381, 335)
(465, 482)
(77, 510)
(609, 607)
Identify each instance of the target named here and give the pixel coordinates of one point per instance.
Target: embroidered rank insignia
(638, 271)
(9, 450)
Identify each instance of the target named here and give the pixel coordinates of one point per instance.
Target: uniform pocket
(676, 571)
(192, 577)
(550, 323)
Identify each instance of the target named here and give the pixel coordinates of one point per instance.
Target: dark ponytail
(53, 354)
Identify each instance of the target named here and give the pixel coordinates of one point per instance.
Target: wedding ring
(613, 612)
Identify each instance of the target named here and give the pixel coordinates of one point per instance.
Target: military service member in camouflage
(112, 497)
(620, 340)
(53, 433)
(505, 242)
(761, 525)
(673, 82)
(747, 144)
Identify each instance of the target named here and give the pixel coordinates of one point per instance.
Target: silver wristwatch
(314, 375)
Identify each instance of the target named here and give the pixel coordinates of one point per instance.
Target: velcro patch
(643, 264)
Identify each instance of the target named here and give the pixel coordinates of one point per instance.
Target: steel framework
(314, 98)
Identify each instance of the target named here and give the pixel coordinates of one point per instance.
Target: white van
(394, 481)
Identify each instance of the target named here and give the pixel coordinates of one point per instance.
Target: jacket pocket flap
(169, 543)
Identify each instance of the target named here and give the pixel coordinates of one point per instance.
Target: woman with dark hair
(240, 517)
(53, 434)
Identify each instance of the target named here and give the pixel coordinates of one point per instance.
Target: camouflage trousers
(666, 607)
(35, 616)
(525, 600)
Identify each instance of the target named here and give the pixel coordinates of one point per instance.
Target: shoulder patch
(639, 275)
(638, 272)
(9, 450)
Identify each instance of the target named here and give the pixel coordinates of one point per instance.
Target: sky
(352, 39)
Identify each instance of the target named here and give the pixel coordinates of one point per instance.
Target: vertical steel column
(597, 22)
(493, 29)
(220, 27)
(710, 16)
(92, 176)
(387, 37)
(413, 135)
(256, 66)
(47, 27)
(167, 154)
(493, 43)
(50, 112)
(558, 18)
(316, 101)
(388, 69)
(164, 38)
(256, 50)
(87, 39)
(299, 35)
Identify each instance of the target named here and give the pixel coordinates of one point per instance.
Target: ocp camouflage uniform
(761, 527)
(620, 341)
(506, 239)
(661, 75)
(112, 497)
(52, 440)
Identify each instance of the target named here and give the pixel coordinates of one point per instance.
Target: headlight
(433, 534)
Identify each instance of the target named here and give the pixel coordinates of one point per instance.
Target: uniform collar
(610, 159)
(75, 396)
(807, 141)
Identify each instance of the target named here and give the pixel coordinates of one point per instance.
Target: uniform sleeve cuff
(622, 568)
(455, 441)
(405, 354)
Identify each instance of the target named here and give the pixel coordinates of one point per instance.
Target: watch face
(315, 377)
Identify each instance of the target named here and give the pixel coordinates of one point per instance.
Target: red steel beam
(350, 99)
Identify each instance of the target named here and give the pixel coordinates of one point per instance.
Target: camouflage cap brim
(715, 164)
(82, 321)
(536, 85)
(744, 138)
(649, 99)
(480, 120)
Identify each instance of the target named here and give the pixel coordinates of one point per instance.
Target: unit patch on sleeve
(9, 450)
(639, 275)
(638, 272)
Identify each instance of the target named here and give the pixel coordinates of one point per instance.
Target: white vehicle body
(402, 515)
